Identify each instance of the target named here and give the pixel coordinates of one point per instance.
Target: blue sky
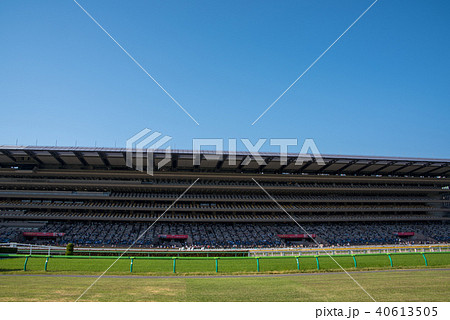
(383, 89)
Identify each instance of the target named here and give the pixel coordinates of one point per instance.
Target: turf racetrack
(405, 285)
(203, 265)
(273, 282)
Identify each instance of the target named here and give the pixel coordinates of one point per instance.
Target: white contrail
(137, 63)
(312, 64)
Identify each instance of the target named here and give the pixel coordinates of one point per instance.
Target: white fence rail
(349, 250)
(34, 248)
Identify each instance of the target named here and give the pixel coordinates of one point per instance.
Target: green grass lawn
(91, 265)
(430, 285)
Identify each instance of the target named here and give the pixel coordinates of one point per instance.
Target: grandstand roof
(103, 158)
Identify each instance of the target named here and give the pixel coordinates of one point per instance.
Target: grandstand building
(90, 197)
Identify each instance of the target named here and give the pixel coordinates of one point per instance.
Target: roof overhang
(115, 158)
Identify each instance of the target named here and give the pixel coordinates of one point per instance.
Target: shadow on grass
(10, 270)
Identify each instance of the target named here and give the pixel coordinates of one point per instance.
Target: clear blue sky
(383, 89)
